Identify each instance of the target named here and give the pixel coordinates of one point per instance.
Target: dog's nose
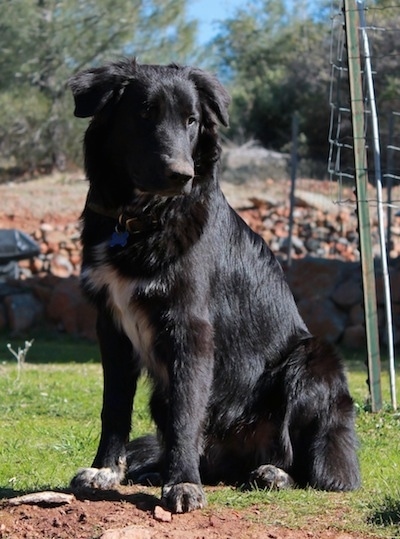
(180, 172)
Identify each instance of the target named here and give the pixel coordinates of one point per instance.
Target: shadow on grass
(50, 347)
(387, 514)
(10, 493)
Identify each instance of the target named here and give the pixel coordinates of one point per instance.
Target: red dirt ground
(52, 199)
(130, 514)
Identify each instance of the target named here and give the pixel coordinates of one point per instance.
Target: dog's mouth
(167, 178)
(187, 187)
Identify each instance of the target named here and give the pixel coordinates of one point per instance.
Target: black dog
(184, 289)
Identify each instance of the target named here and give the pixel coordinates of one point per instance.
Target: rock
(314, 200)
(60, 266)
(323, 318)
(316, 247)
(249, 162)
(356, 315)
(263, 201)
(46, 228)
(55, 239)
(297, 245)
(280, 229)
(44, 248)
(314, 278)
(70, 309)
(75, 257)
(251, 218)
(354, 337)
(37, 235)
(348, 293)
(321, 233)
(41, 290)
(86, 320)
(23, 311)
(161, 514)
(36, 265)
(131, 532)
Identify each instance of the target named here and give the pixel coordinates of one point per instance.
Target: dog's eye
(145, 113)
(191, 120)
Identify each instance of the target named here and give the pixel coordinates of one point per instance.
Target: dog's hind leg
(333, 460)
(145, 460)
(322, 422)
(121, 372)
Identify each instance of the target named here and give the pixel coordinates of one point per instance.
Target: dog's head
(154, 128)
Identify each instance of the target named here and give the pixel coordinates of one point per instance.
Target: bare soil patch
(131, 514)
(59, 199)
(55, 199)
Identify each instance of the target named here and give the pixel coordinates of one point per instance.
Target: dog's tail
(144, 460)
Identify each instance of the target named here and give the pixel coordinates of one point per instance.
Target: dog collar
(126, 224)
(100, 210)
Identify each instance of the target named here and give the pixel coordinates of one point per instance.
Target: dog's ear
(212, 93)
(94, 88)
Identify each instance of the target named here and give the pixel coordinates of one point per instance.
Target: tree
(384, 17)
(277, 63)
(43, 42)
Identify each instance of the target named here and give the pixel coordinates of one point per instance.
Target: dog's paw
(184, 497)
(269, 477)
(96, 478)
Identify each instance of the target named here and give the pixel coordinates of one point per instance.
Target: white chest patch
(128, 314)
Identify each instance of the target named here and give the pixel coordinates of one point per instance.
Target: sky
(208, 12)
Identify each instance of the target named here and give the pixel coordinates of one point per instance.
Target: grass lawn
(50, 426)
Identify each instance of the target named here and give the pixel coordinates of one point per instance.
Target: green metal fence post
(360, 160)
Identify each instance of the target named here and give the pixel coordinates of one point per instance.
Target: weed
(20, 355)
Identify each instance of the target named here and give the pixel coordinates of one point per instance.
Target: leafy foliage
(278, 64)
(276, 60)
(43, 42)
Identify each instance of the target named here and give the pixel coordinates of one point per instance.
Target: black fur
(187, 291)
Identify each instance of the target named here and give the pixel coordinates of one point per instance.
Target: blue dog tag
(119, 238)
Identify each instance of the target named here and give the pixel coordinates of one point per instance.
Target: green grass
(50, 426)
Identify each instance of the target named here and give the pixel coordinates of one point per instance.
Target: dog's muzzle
(179, 175)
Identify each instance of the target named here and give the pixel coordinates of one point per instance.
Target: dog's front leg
(120, 377)
(191, 372)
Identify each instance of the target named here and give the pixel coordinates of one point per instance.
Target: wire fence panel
(382, 26)
(375, 30)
